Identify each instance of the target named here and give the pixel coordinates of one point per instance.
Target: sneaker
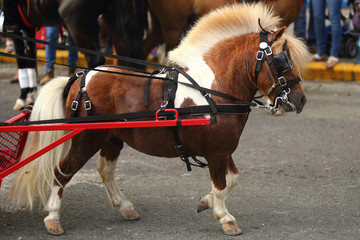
(48, 76)
(331, 62)
(319, 57)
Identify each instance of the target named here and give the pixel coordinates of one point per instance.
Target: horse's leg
(31, 68)
(106, 166)
(22, 73)
(83, 28)
(83, 147)
(224, 176)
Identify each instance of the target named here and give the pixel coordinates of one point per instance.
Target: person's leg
(335, 20)
(319, 24)
(300, 23)
(311, 40)
(52, 34)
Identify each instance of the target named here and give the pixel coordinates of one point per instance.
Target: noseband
(280, 63)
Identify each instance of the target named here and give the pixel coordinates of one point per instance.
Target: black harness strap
(82, 93)
(204, 93)
(170, 88)
(146, 88)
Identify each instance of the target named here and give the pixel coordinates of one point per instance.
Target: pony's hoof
(129, 214)
(203, 205)
(19, 105)
(54, 227)
(231, 228)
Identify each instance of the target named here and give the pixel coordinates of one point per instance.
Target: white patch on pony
(106, 169)
(220, 211)
(92, 73)
(203, 75)
(53, 205)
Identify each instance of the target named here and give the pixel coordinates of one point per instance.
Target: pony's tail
(34, 179)
(126, 22)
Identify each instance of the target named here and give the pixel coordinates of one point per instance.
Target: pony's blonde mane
(228, 22)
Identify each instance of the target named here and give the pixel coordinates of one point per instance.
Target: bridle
(280, 64)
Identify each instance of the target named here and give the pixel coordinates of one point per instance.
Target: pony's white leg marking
(106, 169)
(206, 202)
(52, 221)
(227, 221)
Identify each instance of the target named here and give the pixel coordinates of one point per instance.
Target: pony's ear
(276, 35)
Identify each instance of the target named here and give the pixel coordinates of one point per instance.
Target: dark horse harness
(281, 63)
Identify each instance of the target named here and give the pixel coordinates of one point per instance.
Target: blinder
(282, 62)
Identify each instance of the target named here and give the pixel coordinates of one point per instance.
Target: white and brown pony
(220, 53)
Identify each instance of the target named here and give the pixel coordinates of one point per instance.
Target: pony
(170, 21)
(227, 53)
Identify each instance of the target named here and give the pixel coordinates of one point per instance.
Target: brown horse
(168, 21)
(220, 53)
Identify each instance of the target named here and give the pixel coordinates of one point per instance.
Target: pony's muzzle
(296, 103)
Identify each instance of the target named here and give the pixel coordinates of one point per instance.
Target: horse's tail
(126, 22)
(34, 179)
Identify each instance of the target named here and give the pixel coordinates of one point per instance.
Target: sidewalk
(345, 70)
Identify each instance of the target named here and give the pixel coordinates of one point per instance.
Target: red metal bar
(79, 127)
(39, 153)
(106, 125)
(18, 117)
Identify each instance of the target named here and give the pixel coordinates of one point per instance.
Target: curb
(341, 72)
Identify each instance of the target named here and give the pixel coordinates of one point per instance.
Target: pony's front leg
(223, 180)
(52, 221)
(106, 167)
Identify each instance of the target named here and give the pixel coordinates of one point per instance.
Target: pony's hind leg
(83, 147)
(224, 177)
(106, 165)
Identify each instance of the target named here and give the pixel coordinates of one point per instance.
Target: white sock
(23, 78)
(32, 77)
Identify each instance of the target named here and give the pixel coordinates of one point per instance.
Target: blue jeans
(300, 25)
(319, 23)
(52, 34)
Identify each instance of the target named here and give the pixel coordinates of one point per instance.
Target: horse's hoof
(19, 105)
(231, 228)
(54, 227)
(203, 205)
(129, 214)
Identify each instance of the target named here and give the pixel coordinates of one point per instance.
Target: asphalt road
(299, 179)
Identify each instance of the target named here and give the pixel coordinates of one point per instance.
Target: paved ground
(299, 179)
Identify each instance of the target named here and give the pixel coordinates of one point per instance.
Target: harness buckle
(74, 105)
(79, 74)
(259, 55)
(268, 51)
(180, 150)
(87, 105)
(282, 81)
(164, 104)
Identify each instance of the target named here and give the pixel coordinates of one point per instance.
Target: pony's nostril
(303, 100)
